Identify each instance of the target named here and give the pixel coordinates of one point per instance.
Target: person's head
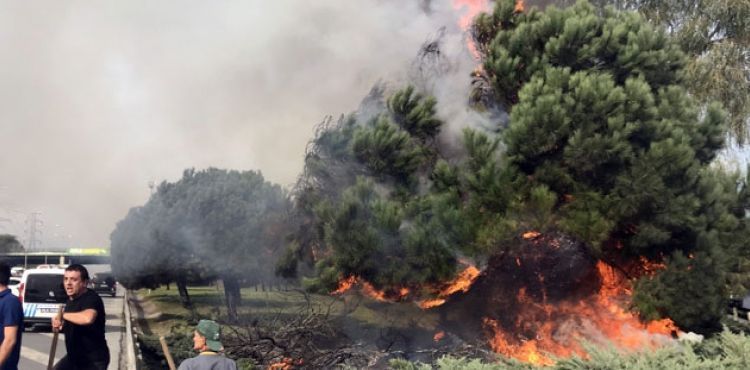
(4, 274)
(75, 279)
(206, 336)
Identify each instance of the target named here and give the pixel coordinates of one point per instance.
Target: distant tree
(144, 253)
(9, 244)
(133, 249)
(715, 35)
(233, 221)
(211, 223)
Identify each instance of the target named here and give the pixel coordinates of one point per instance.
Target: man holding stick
(11, 323)
(82, 323)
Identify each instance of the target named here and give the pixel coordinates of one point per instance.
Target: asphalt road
(36, 344)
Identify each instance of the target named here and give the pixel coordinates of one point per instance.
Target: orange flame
(286, 363)
(403, 292)
(530, 234)
(368, 290)
(470, 9)
(373, 293)
(544, 329)
(651, 268)
(430, 303)
(438, 336)
(345, 285)
(462, 282)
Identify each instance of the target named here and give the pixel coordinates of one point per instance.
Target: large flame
(543, 331)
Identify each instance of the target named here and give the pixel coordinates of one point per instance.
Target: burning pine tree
(597, 199)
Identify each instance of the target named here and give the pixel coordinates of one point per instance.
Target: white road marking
(36, 356)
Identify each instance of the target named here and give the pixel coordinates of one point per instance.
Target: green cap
(211, 330)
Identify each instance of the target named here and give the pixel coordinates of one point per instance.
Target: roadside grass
(208, 303)
(358, 316)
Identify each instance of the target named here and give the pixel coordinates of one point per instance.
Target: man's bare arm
(6, 347)
(85, 317)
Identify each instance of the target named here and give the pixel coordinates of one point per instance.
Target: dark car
(104, 283)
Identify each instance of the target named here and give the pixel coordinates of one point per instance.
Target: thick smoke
(99, 99)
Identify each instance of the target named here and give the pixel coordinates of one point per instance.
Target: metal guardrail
(130, 339)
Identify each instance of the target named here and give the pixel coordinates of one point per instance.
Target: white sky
(98, 98)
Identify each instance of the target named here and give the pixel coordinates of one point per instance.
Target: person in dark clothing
(82, 323)
(11, 323)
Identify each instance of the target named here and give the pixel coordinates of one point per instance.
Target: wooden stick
(167, 355)
(55, 334)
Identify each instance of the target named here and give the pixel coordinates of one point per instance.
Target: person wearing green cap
(206, 341)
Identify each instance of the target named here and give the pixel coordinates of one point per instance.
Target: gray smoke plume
(99, 99)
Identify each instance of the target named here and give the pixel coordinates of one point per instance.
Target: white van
(41, 292)
(13, 284)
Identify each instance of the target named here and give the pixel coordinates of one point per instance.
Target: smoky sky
(97, 99)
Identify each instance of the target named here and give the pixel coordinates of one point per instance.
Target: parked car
(17, 271)
(104, 283)
(13, 285)
(42, 293)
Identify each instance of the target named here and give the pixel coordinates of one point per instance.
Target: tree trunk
(182, 289)
(232, 295)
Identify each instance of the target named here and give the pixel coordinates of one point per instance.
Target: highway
(36, 344)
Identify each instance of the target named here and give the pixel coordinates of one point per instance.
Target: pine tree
(369, 220)
(601, 117)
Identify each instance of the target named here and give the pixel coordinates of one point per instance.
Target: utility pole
(34, 224)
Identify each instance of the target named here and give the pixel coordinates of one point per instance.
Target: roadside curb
(129, 333)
